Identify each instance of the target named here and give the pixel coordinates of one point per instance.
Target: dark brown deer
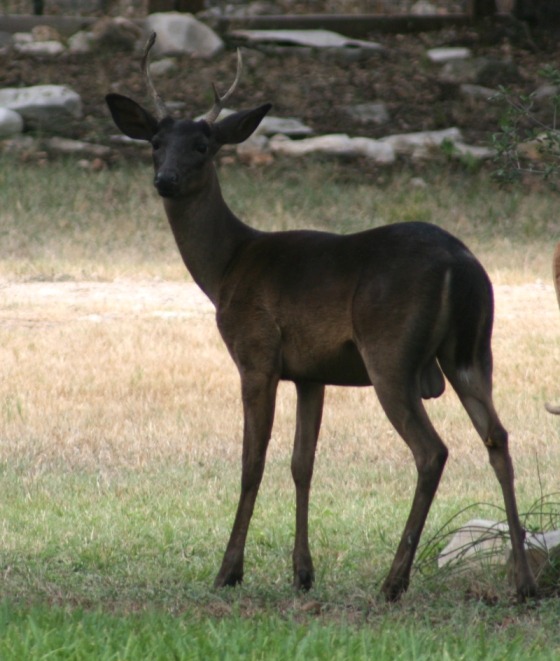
(396, 307)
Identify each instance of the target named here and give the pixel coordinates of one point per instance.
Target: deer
(555, 408)
(395, 307)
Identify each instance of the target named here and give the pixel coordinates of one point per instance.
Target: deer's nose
(167, 183)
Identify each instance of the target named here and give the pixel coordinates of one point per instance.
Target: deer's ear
(238, 127)
(131, 118)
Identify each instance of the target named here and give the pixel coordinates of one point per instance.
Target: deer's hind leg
(473, 385)
(399, 383)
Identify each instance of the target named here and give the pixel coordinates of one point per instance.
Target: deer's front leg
(310, 397)
(259, 394)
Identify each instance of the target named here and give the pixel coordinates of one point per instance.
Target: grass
(120, 434)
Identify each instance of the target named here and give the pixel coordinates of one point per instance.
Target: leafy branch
(525, 144)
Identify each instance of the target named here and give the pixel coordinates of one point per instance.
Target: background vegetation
(120, 433)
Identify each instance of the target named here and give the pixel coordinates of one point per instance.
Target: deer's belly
(341, 366)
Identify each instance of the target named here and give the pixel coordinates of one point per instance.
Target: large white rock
(40, 48)
(482, 538)
(43, 106)
(11, 123)
(408, 143)
(336, 144)
(182, 33)
(307, 38)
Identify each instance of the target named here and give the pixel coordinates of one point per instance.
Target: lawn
(120, 429)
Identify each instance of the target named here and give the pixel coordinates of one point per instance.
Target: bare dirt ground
(31, 304)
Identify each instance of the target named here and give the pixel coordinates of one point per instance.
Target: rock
(285, 125)
(546, 92)
(11, 122)
(80, 42)
(22, 38)
(163, 67)
(73, 147)
(486, 71)
(476, 152)
(307, 38)
(20, 145)
(477, 92)
(364, 113)
(45, 33)
(48, 107)
(487, 540)
(411, 143)
(423, 8)
(117, 33)
(182, 33)
(272, 125)
(443, 55)
(336, 144)
(40, 48)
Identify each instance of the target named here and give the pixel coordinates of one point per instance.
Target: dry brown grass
(103, 376)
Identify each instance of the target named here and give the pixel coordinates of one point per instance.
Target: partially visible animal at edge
(555, 408)
(396, 307)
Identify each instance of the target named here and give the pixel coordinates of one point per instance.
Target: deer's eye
(201, 148)
(156, 144)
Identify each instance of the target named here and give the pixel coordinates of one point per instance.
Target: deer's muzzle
(167, 184)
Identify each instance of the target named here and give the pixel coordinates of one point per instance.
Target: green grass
(120, 440)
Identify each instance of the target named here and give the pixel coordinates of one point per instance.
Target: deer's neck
(207, 233)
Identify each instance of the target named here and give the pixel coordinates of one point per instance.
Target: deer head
(183, 149)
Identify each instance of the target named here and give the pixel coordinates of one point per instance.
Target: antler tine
(161, 110)
(212, 115)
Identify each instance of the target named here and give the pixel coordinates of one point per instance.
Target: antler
(161, 110)
(212, 115)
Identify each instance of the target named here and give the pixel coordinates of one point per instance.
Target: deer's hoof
(393, 590)
(304, 579)
(228, 579)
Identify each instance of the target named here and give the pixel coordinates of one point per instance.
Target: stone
(546, 92)
(45, 33)
(74, 147)
(11, 123)
(423, 8)
(365, 113)
(285, 125)
(486, 71)
(163, 67)
(442, 55)
(271, 125)
(118, 33)
(477, 92)
(48, 107)
(307, 38)
(481, 538)
(80, 42)
(335, 144)
(40, 48)
(408, 143)
(22, 38)
(182, 33)
(477, 152)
